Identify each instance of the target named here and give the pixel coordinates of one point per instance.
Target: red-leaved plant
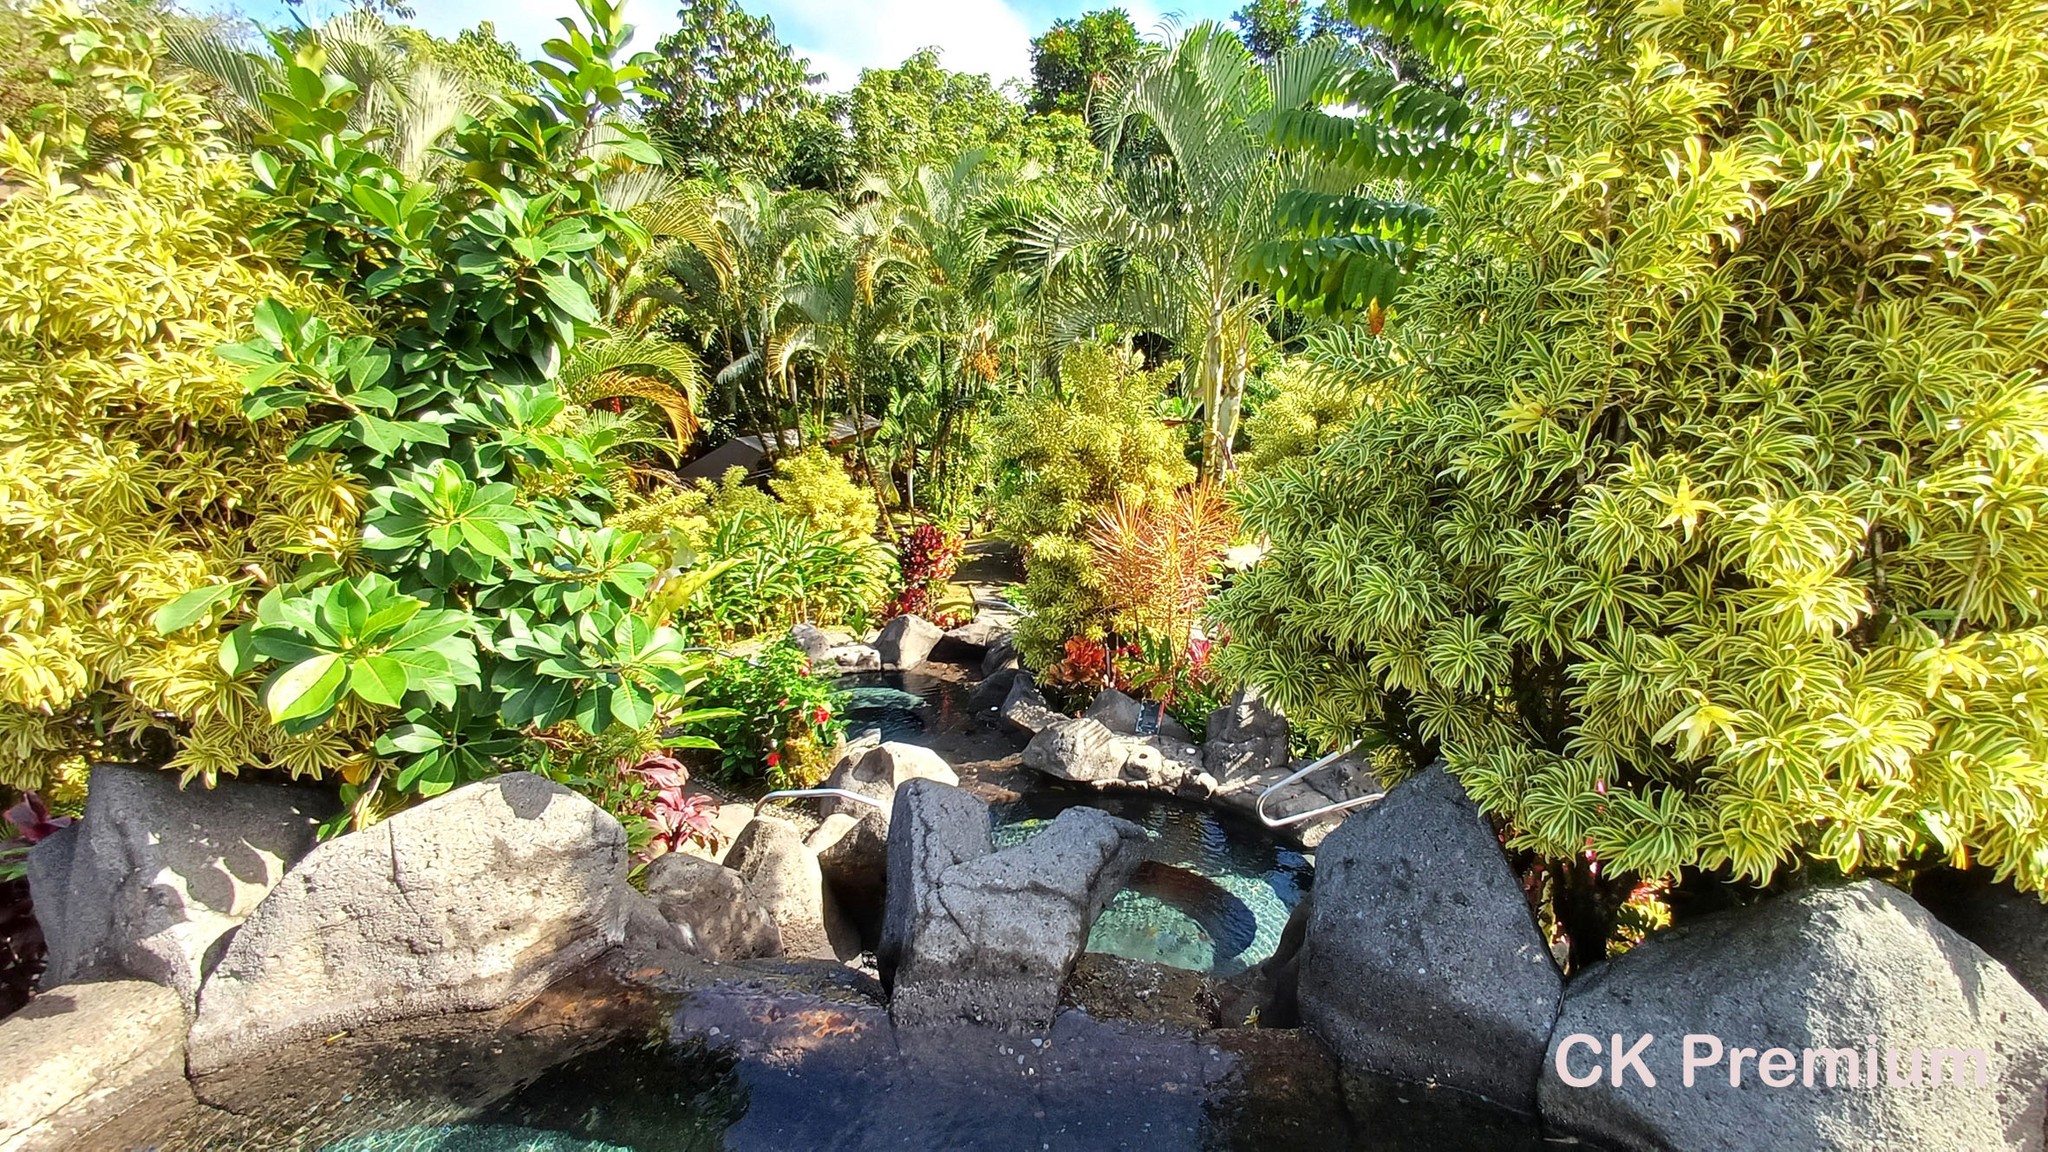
(677, 817)
(32, 823)
(927, 556)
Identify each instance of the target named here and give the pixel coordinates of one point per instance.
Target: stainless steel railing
(1312, 766)
(802, 793)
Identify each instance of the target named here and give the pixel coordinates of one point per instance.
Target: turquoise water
(1213, 893)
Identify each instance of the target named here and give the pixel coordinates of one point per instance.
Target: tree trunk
(1587, 906)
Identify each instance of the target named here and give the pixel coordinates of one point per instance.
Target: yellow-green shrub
(1705, 527)
(1308, 404)
(1067, 454)
(814, 485)
(128, 474)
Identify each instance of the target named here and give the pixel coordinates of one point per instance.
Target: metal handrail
(800, 793)
(1300, 817)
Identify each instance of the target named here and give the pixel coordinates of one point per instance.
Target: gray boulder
(1245, 738)
(978, 634)
(932, 827)
(1123, 715)
(994, 689)
(709, 902)
(816, 641)
(1346, 778)
(1084, 751)
(150, 882)
(853, 856)
(474, 899)
(1837, 972)
(92, 1066)
(881, 770)
(853, 658)
(1025, 709)
(991, 937)
(1421, 959)
(1001, 654)
(907, 640)
(2009, 925)
(783, 879)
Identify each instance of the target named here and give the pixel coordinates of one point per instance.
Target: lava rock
(474, 899)
(154, 877)
(816, 641)
(783, 878)
(1084, 751)
(990, 937)
(87, 1061)
(1025, 709)
(989, 695)
(1001, 654)
(881, 770)
(853, 855)
(853, 658)
(1819, 969)
(1123, 715)
(2009, 925)
(1245, 738)
(907, 640)
(978, 634)
(709, 902)
(1421, 959)
(1346, 778)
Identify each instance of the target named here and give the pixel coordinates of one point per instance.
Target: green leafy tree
(1182, 235)
(1696, 518)
(1270, 27)
(728, 96)
(920, 114)
(1371, 136)
(499, 605)
(1079, 57)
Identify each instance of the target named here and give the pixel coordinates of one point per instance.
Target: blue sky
(840, 36)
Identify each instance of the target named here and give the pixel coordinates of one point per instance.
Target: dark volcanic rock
(1422, 960)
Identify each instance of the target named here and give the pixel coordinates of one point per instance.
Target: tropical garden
(1638, 407)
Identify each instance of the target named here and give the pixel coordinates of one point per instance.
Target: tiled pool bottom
(1212, 896)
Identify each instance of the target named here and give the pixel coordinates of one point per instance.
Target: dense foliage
(1069, 452)
(128, 471)
(1695, 513)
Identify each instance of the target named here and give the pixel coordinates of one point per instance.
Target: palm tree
(1235, 198)
(731, 265)
(404, 103)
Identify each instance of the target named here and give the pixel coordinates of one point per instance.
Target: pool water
(1213, 892)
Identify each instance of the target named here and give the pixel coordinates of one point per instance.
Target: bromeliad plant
(499, 602)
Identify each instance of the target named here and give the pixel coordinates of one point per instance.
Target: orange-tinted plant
(1158, 561)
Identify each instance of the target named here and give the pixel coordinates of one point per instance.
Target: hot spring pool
(1212, 895)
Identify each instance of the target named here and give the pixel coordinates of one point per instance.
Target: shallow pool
(1213, 893)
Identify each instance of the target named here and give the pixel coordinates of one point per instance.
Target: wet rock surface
(710, 902)
(826, 1075)
(985, 937)
(87, 1063)
(905, 641)
(477, 898)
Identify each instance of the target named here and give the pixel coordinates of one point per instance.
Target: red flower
(774, 758)
(821, 715)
